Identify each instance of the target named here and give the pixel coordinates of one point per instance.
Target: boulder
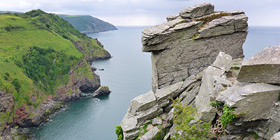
(129, 123)
(262, 68)
(223, 61)
(142, 102)
(207, 93)
(89, 85)
(197, 10)
(276, 136)
(172, 17)
(101, 91)
(253, 101)
(150, 135)
(165, 94)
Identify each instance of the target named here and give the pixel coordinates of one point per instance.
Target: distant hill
(2, 12)
(88, 24)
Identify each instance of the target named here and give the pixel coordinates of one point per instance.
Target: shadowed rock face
(191, 40)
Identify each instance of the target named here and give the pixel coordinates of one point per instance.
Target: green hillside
(40, 54)
(88, 24)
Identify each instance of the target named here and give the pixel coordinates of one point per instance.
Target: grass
(18, 34)
(15, 43)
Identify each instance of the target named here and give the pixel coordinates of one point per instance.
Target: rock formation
(190, 41)
(197, 57)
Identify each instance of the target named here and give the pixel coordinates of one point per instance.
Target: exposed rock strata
(188, 43)
(263, 67)
(200, 65)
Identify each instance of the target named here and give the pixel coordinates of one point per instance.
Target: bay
(128, 74)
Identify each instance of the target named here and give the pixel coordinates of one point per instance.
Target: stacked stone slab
(149, 106)
(190, 41)
(263, 67)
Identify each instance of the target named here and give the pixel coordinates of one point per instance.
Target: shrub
(45, 67)
(119, 132)
(227, 116)
(16, 84)
(217, 104)
(184, 114)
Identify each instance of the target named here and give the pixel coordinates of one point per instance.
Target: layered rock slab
(182, 46)
(262, 68)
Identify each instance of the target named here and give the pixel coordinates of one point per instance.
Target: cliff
(190, 41)
(88, 24)
(197, 59)
(44, 63)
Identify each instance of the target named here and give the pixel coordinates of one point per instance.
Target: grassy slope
(16, 42)
(89, 46)
(20, 32)
(86, 23)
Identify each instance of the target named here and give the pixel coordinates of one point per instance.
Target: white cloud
(146, 12)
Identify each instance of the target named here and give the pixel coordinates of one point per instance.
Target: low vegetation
(207, 19)
(119, 132)
(184, 118)
(228, 116)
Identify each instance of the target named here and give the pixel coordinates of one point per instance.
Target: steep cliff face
(200, 63)
(190, 41)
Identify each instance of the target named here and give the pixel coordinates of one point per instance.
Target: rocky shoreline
(20, 129)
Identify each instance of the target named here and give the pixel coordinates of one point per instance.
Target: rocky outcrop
(197, 57)
(255, 104)
(101, 91)
(87, 85)
(190, 41)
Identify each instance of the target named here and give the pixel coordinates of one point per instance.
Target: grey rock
(165, 94)
(148, 114)
(131, 135)
(253, 100)
(268, 128)
(188, 96)
(207, 93)
(276, 136)
(262, 68)
(142, 102)
(222, 81)
(170, 115)
(172, 17)
(154, 35)
(150, 135)
(224, 25)
(89, 85)
(129, 123)
(157, 121)
(190, 57)
(223, 61)
(101, 91)
(197, 10)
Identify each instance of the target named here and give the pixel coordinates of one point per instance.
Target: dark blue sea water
(128, 74)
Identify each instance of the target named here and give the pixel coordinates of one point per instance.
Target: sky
(146, 12)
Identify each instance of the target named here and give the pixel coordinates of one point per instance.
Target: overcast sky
(146, 12)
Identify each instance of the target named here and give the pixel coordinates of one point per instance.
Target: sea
(128, 74)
